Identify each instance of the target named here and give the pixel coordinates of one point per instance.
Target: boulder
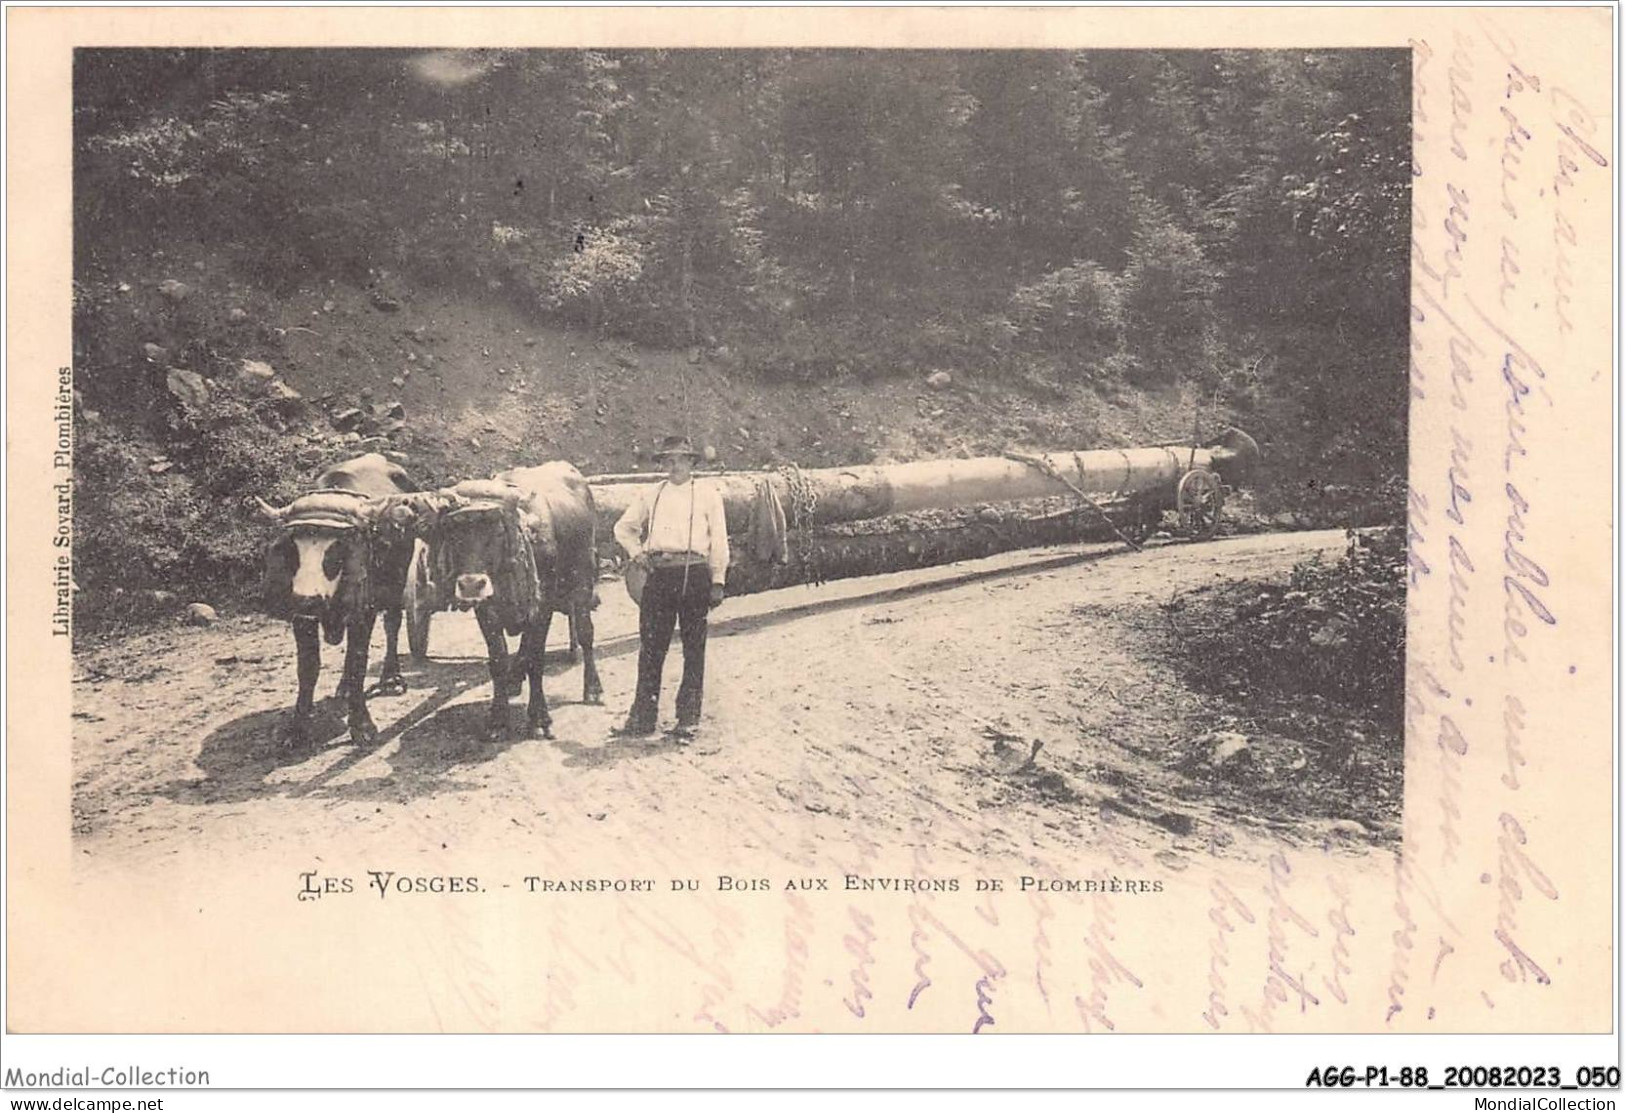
(283, 394)
(1225, 747)
(200, 614)
(237, 314)
(174, 290)
(188, 386)
(257, 369)
(939, 380)
(155, 353)
(1333, 635)
(346, 420)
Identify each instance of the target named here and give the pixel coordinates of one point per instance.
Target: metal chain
(803, 504)
(1043, 465)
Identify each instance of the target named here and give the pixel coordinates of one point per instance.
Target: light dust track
(901, 706)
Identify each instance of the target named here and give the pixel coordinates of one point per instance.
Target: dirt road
(993, 709)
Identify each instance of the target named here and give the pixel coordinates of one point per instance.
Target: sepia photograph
(1042, 418)
(656, 539)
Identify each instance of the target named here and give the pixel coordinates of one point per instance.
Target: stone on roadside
(200, 614)
(939, 380)
(174, 290)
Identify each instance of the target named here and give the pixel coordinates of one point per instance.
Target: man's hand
(716, 595)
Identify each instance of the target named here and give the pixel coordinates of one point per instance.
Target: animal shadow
(237, 757)
(614, 750)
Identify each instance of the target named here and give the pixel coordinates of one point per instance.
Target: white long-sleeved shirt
(677, 510)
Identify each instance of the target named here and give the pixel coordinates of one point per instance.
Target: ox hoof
(296, 733)
(390, 686)
(596, 699)
(363, 733)
(541, 730)
(496, 730)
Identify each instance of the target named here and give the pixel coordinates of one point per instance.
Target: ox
(343, 553)
(516, 549)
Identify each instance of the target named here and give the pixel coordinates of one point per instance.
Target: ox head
(319, 563)
(484, 548)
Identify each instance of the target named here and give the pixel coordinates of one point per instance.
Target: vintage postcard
(845, 521)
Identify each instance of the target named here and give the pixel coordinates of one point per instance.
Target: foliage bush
(1168, 291)
(1077, 311)
(186, 527)
(1335, 630)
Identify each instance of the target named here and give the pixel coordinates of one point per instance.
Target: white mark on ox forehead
(309, 579)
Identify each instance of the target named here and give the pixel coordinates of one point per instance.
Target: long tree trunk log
(875, 491)
(860, 521)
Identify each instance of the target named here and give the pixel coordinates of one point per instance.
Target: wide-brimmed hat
(677, 446)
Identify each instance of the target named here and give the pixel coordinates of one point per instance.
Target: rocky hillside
(254, 395)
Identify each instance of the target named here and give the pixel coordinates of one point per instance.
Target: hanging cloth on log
(769, 531)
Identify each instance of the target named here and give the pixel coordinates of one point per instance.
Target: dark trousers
(667, 603)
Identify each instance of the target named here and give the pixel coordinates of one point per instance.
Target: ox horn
(270, 513)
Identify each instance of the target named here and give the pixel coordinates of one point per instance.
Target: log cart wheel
(1200, 498)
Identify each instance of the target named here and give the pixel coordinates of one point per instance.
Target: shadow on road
(239, 758)
(616, 750)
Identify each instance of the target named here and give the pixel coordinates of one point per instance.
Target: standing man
(677, 533)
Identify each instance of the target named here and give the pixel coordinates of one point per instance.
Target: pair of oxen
(515, 549)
